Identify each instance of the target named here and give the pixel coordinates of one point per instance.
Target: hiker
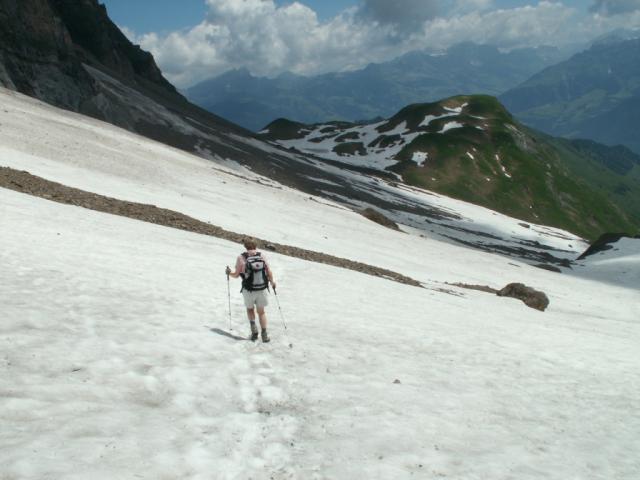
(256, 275)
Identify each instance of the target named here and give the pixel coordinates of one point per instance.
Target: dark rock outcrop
(91, 29)
(45, 44)
(531, 297)
(605, 242)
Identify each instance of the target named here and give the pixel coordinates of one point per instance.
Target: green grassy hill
(471, 148)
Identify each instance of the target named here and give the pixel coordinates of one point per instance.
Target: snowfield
(118, 360)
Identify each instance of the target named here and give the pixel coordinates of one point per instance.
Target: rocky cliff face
(46, 44)
(91, 29)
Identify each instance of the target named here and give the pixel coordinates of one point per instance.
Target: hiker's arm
(270, 277)
(238, 271)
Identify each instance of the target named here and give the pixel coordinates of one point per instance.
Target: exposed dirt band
(24, 182)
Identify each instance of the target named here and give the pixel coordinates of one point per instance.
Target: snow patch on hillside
(450, 126)
(457, 110)
(368, 136)
(420, 158)
(502, 167)
(430, 118)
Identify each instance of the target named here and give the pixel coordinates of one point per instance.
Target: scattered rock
(481, 288)
(396, 381)
(379, 218)
(271, 247)
(525, 225)
(546, 266)
(531, 297)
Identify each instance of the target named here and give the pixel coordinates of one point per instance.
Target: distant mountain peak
(616, 36)
(377, 90)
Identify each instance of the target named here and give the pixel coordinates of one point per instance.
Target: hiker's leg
(251, 314)
(263, 318)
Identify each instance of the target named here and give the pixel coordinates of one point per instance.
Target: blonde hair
(250, 243)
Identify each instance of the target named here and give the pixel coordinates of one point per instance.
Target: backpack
(255, 273)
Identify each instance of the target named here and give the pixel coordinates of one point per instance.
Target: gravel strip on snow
(24, 182)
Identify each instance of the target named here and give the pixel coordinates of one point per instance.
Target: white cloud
(508, 28)
(269, 39)
(615, 7)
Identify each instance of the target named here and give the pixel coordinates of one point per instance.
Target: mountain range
(71, 55)
(378, 90)
(594, 95)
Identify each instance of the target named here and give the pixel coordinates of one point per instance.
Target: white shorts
(257, 298)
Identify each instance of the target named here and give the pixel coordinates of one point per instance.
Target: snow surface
(450, 126)
(502, 167)
(457, 110)
(430, 118)
(621, 262)
(118, 362)
(420, 158)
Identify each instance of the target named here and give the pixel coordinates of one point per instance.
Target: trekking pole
(280, 309)
(229, 295)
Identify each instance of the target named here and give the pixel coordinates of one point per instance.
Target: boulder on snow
(531, 297)
(376, 216)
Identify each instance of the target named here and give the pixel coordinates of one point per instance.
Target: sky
(193, 40)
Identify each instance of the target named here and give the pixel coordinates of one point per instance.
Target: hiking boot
(265, 337)
(254, 332)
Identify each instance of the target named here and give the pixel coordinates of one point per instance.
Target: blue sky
(144, 16)
(196, 39)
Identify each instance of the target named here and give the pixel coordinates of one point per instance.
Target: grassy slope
(546, 184)
(613, 171)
